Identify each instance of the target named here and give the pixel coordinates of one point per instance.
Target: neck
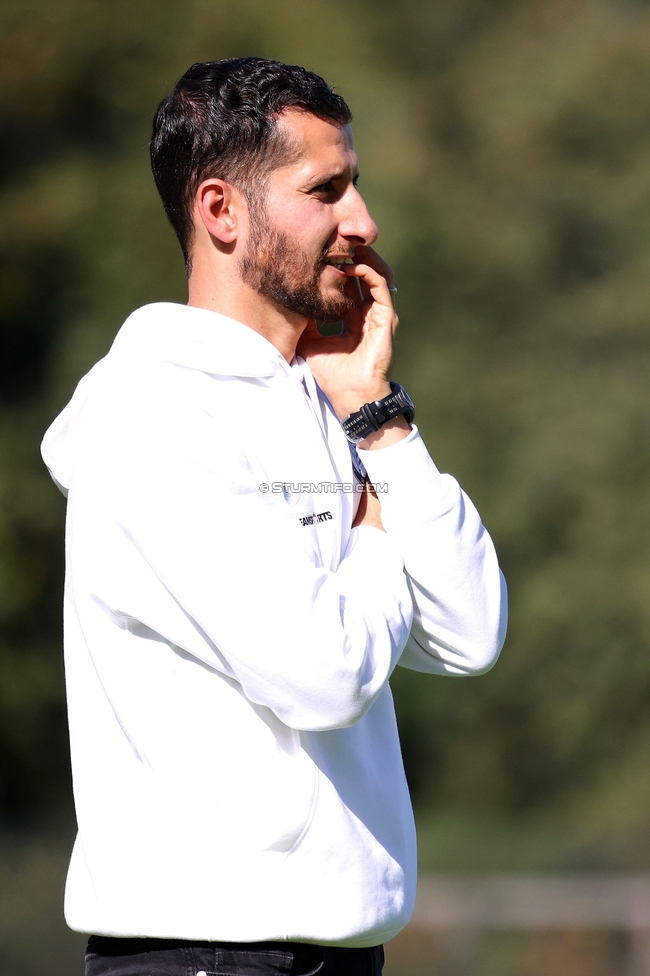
(236, 300)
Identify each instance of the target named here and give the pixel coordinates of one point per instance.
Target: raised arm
(458, 591)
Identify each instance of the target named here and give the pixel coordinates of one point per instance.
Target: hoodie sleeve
(458, 591)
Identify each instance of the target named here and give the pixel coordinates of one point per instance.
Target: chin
(336, 304)
(336, 308)
(325, 305)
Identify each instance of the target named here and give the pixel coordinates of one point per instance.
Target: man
(233, 609)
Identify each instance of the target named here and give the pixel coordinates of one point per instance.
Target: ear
(220, 208)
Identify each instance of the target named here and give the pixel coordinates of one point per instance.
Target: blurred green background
(505, 154)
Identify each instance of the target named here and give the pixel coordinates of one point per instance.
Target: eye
(333, 188)
(324, 188)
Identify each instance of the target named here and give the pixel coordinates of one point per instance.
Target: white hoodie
(229, 639)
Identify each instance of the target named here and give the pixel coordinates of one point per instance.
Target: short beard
(275, 268)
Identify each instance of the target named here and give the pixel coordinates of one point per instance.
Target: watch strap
(372, 416)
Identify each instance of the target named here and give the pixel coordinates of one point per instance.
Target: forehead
(320, 144)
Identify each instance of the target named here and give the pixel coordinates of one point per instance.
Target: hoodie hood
(194, 338)
(57, 448)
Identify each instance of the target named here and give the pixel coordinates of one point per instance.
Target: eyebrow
(332, 177)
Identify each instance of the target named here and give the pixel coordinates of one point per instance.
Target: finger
(380, 298)
(354, 292)
(314, 343)
(373, 283)
(367, 255)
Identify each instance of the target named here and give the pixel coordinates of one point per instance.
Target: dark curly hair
(220, 121)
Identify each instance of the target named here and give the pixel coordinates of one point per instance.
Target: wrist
(373, 416)
(393, 431)
(350, 401)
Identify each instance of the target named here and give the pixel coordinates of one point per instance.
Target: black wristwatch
(356, 426)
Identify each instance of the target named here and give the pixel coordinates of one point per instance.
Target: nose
(356, 221)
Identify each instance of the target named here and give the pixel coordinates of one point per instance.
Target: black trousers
(173, 957)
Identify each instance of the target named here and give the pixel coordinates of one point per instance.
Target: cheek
(308, 223)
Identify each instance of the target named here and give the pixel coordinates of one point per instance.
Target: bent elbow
(483, 659)
(347, 710)
(345, 704)
(471, 653)
(484, 650)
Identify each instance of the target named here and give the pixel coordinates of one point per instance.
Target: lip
(346, 259)
(337, 271)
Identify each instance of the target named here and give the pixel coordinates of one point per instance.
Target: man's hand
(369, 511)
(353, 368)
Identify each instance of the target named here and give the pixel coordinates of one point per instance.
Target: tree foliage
(505, 152)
